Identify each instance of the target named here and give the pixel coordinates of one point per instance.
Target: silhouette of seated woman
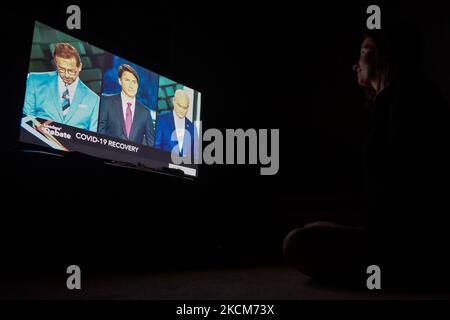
(406, 177)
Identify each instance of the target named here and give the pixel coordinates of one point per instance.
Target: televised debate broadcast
(82, 98)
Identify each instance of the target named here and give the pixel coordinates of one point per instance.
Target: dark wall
(267, 66)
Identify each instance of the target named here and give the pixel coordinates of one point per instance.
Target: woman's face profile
(364, 68)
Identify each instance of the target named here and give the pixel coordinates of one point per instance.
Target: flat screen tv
(81, 98)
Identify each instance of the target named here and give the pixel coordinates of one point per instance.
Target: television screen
(81, 98)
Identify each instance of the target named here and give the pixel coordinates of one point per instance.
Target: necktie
(181, 142)
(65, 101)
(128, 119)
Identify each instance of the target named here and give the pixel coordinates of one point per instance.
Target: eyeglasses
(70, 72)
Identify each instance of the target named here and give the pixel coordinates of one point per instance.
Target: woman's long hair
(396, 54)
(382, 60)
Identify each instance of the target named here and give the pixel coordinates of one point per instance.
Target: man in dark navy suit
(122, 116)
(174, 129)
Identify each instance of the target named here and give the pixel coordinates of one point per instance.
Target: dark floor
(249, 283)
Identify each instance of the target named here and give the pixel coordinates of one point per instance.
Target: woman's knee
(293, 245)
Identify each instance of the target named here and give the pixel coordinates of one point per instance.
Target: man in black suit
(122, 116)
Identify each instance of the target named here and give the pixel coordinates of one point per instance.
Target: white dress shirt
(180, 126)
(72, 88)
(125, 100)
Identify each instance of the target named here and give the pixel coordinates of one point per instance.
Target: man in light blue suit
(60, 95)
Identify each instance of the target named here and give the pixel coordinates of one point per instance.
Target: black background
(269, 65)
